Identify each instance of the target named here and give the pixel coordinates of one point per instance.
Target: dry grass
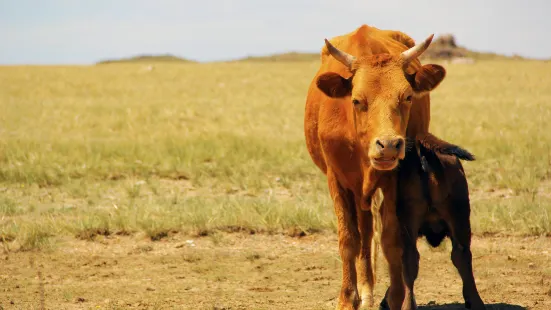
(199, 147)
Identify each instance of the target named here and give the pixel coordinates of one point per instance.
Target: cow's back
(334, 112)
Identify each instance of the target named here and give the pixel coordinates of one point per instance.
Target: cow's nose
(390, 146)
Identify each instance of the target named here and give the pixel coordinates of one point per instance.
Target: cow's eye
(408, 98)
(360, 106)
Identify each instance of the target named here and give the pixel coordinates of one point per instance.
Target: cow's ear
(427, 78)
(334, 85)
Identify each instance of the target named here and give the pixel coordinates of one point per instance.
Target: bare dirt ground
(241, 271)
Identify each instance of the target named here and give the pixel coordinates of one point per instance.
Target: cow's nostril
(379, 144)
(399, 144)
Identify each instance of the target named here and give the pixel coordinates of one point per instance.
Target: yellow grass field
(92, 153)
(195, 147)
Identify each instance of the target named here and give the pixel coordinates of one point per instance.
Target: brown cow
(433, 201)
(357, 113)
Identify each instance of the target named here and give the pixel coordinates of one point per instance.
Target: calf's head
(382, 94)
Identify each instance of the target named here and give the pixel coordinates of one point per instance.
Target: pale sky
(83, 32)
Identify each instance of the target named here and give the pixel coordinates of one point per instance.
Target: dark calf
(433, 201)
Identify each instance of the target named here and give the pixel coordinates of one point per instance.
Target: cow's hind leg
(460, 229)
(349, 243)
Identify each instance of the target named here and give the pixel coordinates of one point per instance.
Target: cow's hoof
(475, 306)
(366, 297)
(347, 306)
(384, 304)
(367, 303)
(348, 301)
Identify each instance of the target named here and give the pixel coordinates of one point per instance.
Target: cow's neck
(419, 118)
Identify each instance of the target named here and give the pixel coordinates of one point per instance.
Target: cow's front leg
(365, 262)
(368, 206)
(349, 243)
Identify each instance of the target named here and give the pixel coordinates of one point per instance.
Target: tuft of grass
(191, 258)
(8, 207)
(67, 296)
(91, 233)
(157, 227)
(134, 190)
(217, 238)
(35, 237)
(253, 257)
(143, 249)
(6, 237)
(123, 221)
(88, 227)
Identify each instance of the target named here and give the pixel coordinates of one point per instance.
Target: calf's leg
(391, 245)
(460, 228)
(410, 258)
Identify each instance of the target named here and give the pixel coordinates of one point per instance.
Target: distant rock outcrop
(445, 47)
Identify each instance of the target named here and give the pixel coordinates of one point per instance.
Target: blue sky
(83, 32)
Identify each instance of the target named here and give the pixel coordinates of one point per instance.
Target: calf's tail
(433, 143)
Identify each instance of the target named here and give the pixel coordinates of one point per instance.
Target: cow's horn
(344, 58)
(417, 50)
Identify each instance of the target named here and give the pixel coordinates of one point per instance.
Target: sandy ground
(241, 271)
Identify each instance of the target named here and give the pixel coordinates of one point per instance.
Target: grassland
(195, 148)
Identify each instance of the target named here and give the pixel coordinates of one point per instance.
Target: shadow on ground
(460, 306)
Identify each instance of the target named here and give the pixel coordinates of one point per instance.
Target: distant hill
(436, 52)
(443, 48)
(285, 57)
(146, 58)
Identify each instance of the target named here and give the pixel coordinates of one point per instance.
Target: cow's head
(382, 94)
